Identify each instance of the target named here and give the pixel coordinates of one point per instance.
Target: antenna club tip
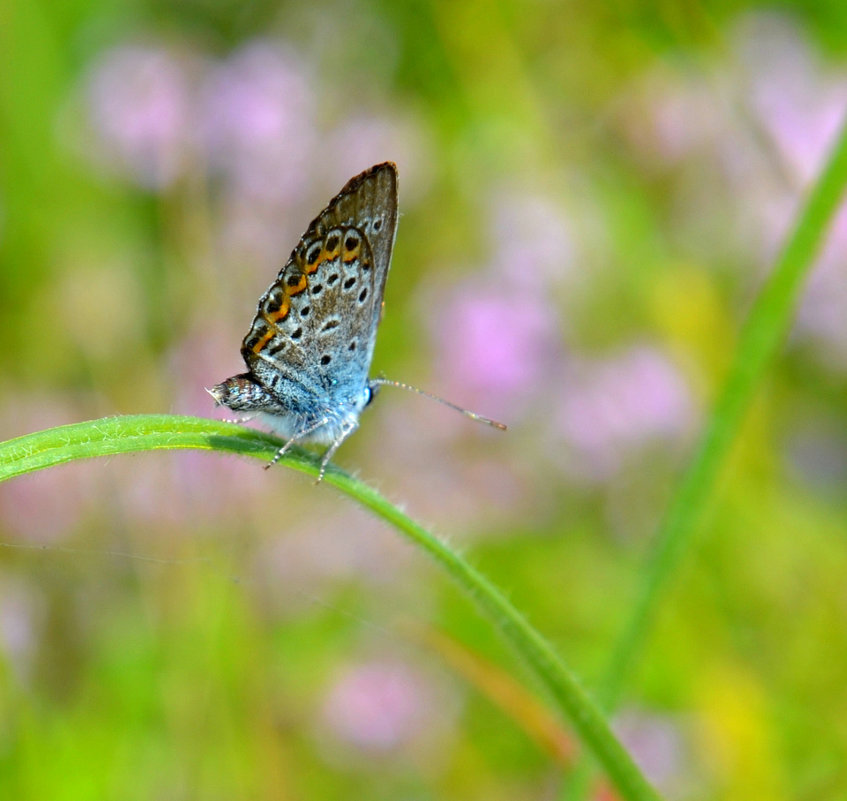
(489, 422)
(381, 382)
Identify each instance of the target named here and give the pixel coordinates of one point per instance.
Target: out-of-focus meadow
(591, 196)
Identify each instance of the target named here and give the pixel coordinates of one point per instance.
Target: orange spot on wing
(352, 255)
(260, 345)
(296, 289)
(281, 313)
(331, 254)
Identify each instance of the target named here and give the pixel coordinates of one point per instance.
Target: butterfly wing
(316, 323)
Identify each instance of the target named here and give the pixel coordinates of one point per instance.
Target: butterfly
(310, 346)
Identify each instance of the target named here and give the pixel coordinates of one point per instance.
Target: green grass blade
(116, 435)
(763, 333)
(760, 339)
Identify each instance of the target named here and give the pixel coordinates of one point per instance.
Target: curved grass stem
(116, 435)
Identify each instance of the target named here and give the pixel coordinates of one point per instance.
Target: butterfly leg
(299, 435)
(348, 429)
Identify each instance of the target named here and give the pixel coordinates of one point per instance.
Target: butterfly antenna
(387, 382)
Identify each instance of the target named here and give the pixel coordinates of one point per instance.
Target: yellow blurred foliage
(736, 736)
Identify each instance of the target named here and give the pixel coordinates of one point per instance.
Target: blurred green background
(591, 195)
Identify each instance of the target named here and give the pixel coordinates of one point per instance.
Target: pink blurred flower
(743, 137)
(611, 407)
(497, 332)
(793, 96)
(798, 99)
(494, 342)
(378, 706)
(258, 120)
(797, 103)
(656, 745)
(140, 105)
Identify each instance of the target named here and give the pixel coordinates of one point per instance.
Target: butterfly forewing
(370, 201)
(317, 320)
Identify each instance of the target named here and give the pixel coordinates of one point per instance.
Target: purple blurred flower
(44, 508)
(611, 407)
(497, 332)
(744, 138)
(140, 106)
(796, 103)
(494, 342)
(656, 745)
(798, 100)
(258, 118)
(800, 103)
(379, 706)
